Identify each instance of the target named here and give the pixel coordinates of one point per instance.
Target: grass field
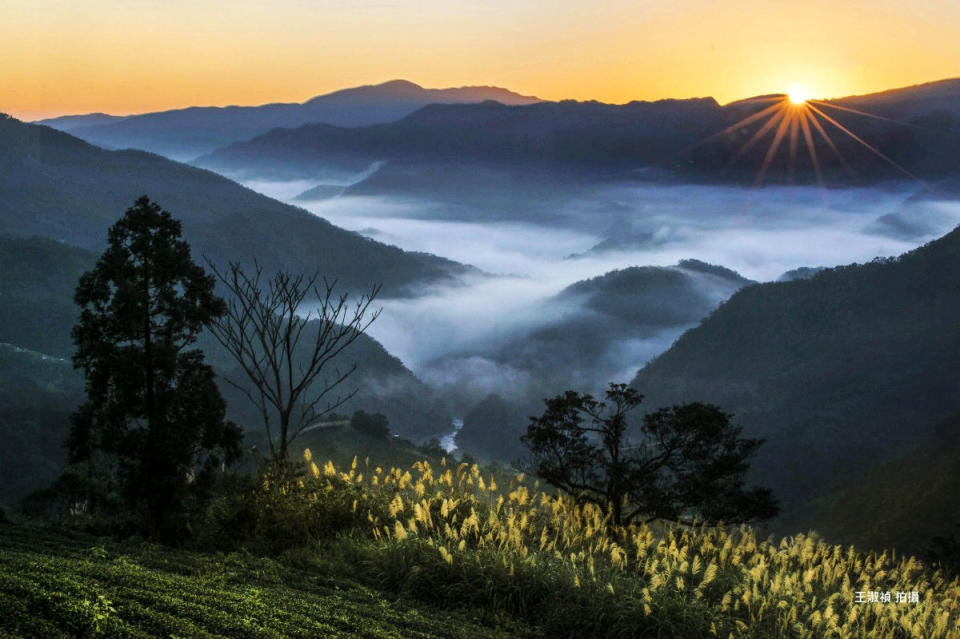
(452, 552)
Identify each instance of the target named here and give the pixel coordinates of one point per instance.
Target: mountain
(56, 186)
(910, 133)
(39, 388)
(840, 372)
(556, 135)
(183, 134)
(902, 503)
(37, 280)
(448, 150)
(658, 295)
(909, 102)
(70, 122)
(596, 330)
(37, 395)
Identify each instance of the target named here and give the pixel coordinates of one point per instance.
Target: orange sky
(129, 56)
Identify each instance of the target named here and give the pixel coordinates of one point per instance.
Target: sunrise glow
(798, 95)
(126, 57)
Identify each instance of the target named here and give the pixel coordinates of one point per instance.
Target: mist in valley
(538, 318)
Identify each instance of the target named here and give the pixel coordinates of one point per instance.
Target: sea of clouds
(446, 334)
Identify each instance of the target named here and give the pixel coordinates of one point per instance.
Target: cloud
(450, 335)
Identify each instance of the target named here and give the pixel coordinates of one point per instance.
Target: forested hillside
(57, 186)
(840, 372)
(39, 388)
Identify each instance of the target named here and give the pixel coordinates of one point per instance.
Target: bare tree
(283, 346)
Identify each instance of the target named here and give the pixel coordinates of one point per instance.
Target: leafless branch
(282, 346)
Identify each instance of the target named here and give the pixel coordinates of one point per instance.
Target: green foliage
(689, 463)
(452, 538)
(281, 510)
(943, 551)
(100, 611)
(506, 589)
(839, 373)
(41, 275)
(375, 425)
(496, 561)
(153, 414)
(55, 586)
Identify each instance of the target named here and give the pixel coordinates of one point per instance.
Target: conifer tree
(154, 419)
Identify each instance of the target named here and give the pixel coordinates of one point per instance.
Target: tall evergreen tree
(154, 420)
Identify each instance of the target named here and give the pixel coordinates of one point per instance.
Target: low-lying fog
(475, 339)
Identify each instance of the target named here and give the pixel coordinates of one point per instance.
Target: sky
(133, 56)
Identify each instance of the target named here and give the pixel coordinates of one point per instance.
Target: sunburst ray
(863, 113)
(750, 119)
(777, 140)
(826, 138)
(767, 126)
(789, 117)
(811, 148)
(861, 141)
(794, 126)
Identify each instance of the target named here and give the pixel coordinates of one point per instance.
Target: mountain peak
(398, 84)
(401, 89)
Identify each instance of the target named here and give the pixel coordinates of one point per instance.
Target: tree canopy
(687, 465)
(153, 422)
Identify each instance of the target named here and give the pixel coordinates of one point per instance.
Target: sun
(797, 117)
(798, 95)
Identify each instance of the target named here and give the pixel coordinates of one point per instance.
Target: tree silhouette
(688, 464)
(282, 347)
(154, 418)
(373, 425)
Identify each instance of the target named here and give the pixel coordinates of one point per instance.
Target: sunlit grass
(797, 587)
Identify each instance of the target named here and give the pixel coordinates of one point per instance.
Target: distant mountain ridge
(183, 134)
(911, 101)
(565, 135)
(67, 123)
(918, 129)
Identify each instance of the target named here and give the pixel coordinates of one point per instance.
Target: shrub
(944, 552)
(286, 507)
(375, 425)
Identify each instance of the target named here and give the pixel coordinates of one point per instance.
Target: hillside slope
(148, 591)
(57, 186)
(39, 387)
(840, 372)
(597, 329)
(904, 502)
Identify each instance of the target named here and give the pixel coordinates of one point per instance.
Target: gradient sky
(130, 56)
